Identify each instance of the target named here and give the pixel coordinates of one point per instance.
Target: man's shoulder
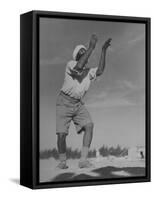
(71, 63)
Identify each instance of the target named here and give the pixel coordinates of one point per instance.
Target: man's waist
(70, 98)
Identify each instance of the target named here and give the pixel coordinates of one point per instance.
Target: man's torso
(77, 86)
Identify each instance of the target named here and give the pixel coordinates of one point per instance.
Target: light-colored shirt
(77, 87)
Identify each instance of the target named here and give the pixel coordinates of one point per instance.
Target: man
(70, 107)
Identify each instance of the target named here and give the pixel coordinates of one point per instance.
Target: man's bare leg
(61, 144)
(87, 139)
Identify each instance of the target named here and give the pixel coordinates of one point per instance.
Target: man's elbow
(99, 72)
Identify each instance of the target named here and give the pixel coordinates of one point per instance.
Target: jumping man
(70, 107)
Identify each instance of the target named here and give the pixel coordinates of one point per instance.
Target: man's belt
(68, 97)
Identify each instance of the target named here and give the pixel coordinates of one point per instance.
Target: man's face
(80, 53)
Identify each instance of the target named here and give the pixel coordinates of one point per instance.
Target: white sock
(62, 157)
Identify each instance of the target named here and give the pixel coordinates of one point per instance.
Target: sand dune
(103, 168)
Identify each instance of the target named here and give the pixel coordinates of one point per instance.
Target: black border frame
(29, 101)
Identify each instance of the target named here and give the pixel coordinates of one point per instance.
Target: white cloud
(127, 44)
(126, 85)
(54, 61)
(123, 93)
(136, 39)
(111, 103)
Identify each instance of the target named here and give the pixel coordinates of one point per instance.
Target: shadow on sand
(103, 173)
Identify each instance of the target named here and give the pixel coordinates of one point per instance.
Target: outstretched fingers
(107, 43)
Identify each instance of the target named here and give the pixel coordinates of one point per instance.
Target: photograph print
(91, 100)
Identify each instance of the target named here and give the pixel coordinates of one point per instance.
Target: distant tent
(137, 152)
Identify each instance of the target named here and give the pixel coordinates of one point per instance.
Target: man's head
(78, 52)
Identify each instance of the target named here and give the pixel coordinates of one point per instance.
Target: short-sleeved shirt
(76, 87)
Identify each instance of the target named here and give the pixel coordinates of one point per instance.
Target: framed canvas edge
(87, 16)
(26, 175)
(35, 172)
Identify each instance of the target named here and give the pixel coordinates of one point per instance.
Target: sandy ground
(103, 168)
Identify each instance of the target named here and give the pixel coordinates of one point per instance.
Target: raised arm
(82, 61)
(101, 66)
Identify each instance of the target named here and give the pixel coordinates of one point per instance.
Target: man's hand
(106, 44)
(93, 41)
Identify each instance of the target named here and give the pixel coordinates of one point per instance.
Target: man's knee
(89, 126)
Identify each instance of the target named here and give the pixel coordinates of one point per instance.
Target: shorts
(69, 109)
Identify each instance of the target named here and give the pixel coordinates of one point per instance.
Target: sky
(116, 100)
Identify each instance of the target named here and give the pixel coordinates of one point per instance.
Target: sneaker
(85, 164)
(62, 165)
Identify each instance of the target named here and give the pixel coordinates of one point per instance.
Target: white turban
(77, 49)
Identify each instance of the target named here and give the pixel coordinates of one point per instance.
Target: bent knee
(89, 126)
